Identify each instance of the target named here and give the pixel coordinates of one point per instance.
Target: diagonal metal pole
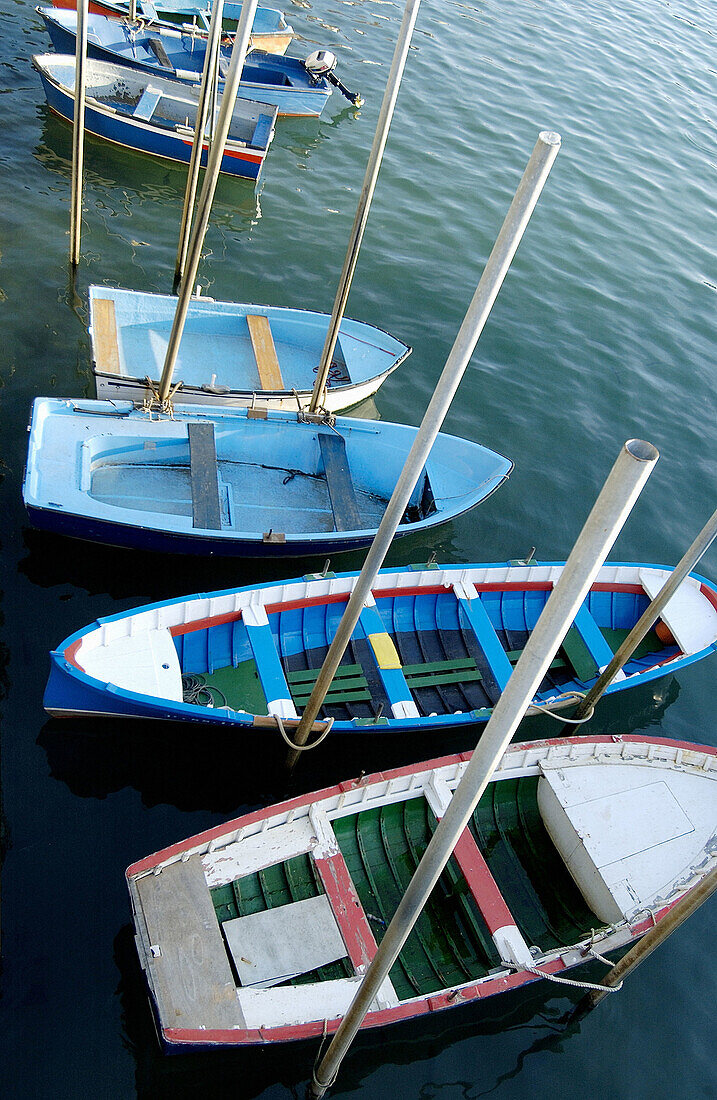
(78, 133)
(206, 98)
(516, 220)
(364, 204)
(204, 206)
(650, 615)
(617, 497)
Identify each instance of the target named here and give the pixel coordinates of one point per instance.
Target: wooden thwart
(194, 988)
(265, 353)
(104, 334)
(206, 509)
(338, 479)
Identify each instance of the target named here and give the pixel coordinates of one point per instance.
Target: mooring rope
(303, 748)
(574, 982)
(544, 708)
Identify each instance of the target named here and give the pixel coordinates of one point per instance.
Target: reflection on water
(242, 769)
(122, 178)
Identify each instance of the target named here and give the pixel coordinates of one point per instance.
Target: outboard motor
(320, 65)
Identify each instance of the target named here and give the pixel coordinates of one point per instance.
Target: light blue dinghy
(237, 481)
(233, 354)
(433, 650)
(149, 114)
(283, 81)
(269, 31)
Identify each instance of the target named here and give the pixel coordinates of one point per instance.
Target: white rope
(570, 981)
(303, 748)
(544, 708)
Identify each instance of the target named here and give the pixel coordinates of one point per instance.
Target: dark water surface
(604, 330)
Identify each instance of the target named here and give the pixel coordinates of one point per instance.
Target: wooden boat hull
(257, 482)
(270, 31)
(432, 654)
(162, 135)
(225, 359)
(267, 78)
(258, 931)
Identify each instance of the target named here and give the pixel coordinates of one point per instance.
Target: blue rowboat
(269, 31)
(237, 481)
(149, 114)
(179, 56)
(233, 354)
(433, 651)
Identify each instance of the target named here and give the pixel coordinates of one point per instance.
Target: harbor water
(604, 330)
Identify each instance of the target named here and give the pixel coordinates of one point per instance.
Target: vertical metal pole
(78, 133)
(516, 220)
(204, 206)
(206, 97)
(364, 204)
(653, 938)
(133, 10)
(650, 615)
(622, 488)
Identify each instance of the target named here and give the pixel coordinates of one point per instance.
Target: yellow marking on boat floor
(385, 651)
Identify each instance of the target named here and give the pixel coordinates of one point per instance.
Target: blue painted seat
(147, 103)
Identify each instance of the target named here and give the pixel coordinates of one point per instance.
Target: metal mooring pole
(650, 615)
(78, 134)
(516, 220)
(652, 939)
(211, 175)
(619, 493)
(210, 74)
(364, 204)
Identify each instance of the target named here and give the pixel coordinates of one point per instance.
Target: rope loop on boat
(303, 748)
(571, 981)
(544, 708)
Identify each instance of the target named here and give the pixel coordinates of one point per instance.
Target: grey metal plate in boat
(280, 943)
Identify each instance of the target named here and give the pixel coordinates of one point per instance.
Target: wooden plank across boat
(577, 847)
(233, 353)
(150, 114)
(269, 31)
(283, 82)
(433, 651)
(110, 472)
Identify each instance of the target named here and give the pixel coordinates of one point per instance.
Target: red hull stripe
(388, 593)
(238, 154)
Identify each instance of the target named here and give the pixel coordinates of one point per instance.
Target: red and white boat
(259, 931)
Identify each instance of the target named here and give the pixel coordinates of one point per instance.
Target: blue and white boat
(433, 650)
(150, 114)
(232, 353)
(211, 480)
(179, 56)
(269, 31)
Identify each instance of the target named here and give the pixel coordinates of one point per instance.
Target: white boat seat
(692, 622)
(147, 103)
